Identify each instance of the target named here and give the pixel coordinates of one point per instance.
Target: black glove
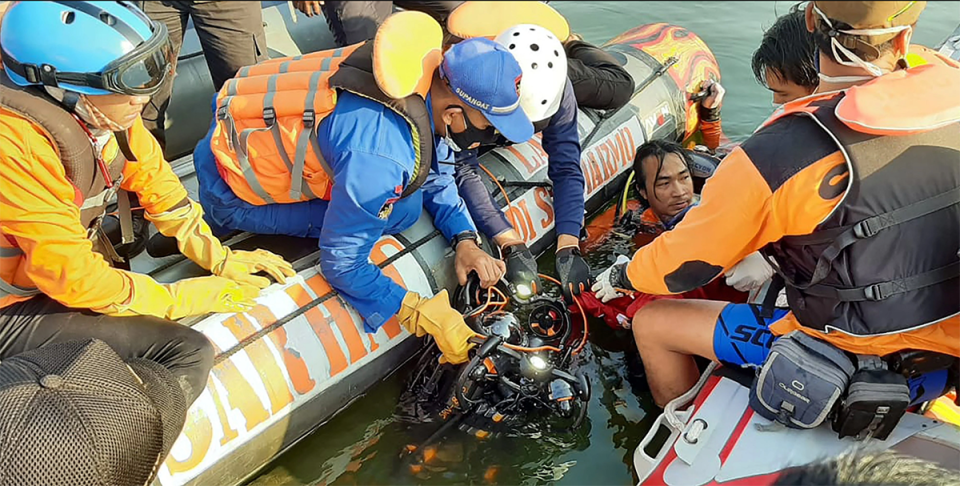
(521, 270)
(574, 272)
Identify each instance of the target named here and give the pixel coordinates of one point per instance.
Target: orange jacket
(764, 190)
(42, 242)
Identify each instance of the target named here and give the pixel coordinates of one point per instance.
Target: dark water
(362, 445)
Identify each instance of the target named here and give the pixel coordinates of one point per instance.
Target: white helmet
(544, 65)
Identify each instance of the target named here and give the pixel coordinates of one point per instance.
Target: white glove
(603, 287)
(750, 273)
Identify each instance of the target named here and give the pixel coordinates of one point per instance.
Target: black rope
(315, 302)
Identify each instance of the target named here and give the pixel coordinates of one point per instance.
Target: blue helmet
(92, 48)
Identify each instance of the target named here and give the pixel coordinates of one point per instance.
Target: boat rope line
(315, 302)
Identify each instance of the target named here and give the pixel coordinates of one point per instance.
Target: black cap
(75, 413)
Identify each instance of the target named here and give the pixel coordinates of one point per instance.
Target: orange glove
(192, 296)
(435, 317)
(197, 243)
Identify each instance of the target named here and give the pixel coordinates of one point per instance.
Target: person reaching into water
(546, 96)
(550, 92)
(374, 162)
(865, 271)
(71, 137)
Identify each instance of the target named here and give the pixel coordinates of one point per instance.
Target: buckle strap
(125, 214)
(769, 305)
(298, 185)
(239, 143)
(870, 362)
(873, 225)
(884, 290)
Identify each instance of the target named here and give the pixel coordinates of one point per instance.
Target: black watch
(466, 235)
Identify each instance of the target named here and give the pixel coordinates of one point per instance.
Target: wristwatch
(466, 235)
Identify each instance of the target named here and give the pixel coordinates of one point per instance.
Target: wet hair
(860, 467)
(658, 149)
(788, 50)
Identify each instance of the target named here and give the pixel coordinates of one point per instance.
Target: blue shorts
(742, 335)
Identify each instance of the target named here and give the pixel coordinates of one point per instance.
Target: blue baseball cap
(486, 77)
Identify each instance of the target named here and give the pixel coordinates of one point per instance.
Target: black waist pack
(874, 403)
(801, 381)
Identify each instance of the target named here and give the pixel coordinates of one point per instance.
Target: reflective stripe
(284, 66)
(298, 185)
(100, 199)
(325, 64)
(10, 251)
(244, 72)
(232, 87)
(7, 288)
(338, 52)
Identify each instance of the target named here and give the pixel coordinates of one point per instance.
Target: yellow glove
(435, 317)
(193, 296)
(240, 266)
(197, 242)
(203, 295)
(194, 237)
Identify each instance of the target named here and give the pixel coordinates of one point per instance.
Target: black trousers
(40, 321)
(355, 21)
(231, 35)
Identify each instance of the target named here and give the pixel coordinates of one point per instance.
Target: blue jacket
(561, 141)
(370, 150)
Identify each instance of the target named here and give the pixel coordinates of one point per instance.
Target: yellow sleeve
(151, 177)
(726, 226)
(37, 209)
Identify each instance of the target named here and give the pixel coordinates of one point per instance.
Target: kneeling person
(372, 163)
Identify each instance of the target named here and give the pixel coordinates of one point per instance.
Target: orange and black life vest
(886, 259)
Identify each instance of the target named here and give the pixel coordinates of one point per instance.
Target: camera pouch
(801, 381)
(874, 403)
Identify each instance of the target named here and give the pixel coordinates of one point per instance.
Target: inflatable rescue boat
(298, 358)
(710, 435)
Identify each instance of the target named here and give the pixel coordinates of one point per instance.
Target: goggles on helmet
(138, 72)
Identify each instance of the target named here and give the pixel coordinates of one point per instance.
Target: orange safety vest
(81, 167)
(265, 141)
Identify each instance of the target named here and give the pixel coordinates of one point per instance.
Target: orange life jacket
(885, 261)
(265, 140)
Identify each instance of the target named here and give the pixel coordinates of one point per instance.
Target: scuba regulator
(522, 369)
